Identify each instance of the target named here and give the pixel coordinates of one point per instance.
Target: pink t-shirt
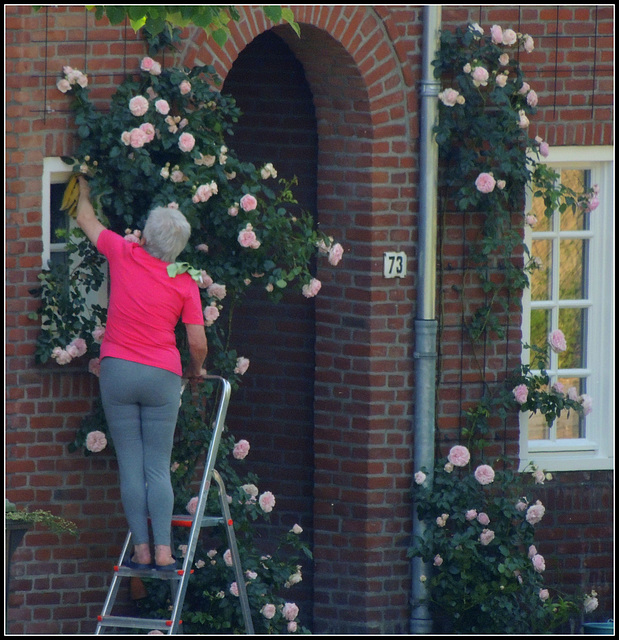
(145, 305)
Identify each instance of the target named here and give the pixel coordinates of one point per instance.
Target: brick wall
(361, 65)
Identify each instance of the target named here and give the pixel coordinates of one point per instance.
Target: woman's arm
(86, 218)
(196, 339)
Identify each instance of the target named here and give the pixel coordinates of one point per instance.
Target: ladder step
(127, 622)
(187, 520)
(149, 573)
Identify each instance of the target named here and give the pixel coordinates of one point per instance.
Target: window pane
(571, 424)
(541, 279)
(572, 323)
(58, 220)
(538, 210)
(572, 282)
(538, 427)
(577, 219)
(540, 328)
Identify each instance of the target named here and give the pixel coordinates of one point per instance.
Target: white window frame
(595, 450)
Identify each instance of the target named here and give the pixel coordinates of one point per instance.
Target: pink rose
(532, 98)
(535, 513)
(312, 288)
(485, 182)
(192, 505)
(94, 366)
(438, 561)
(544, 149)
(459, 456)
(228, 557)
(185, 87)
(268, 611)
(211, 313)
(480, 76)
(290, 611)
(538, 563)
(150, 65)
(336, 252)
(544, 595)
(216, 291)
(528, 44)
(162, 107)
(248, 202)
(62, 356)
(486, 536)
(96, 441)
(233, 211)
(247, 238)
(497, 34)
(532, 551)
(484, 474)
(63, 85)
(98, 334)
(149, 131)
(483, 519)
(241, 449)
(186, 142)
(587, 403)
(521, 393)
(420, 477)
(471, 514)
(242, 364)
(234, 589)
(509, 37)
(556, 340)
(138, 105)
(449, 97)
(267, 501)
(78, 346)
(292, 627)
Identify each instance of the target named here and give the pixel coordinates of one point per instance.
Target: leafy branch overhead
(214, 19)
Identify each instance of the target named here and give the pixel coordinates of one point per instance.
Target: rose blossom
(590, 603)
(486, 536)
(312, 288)
(247, 237)
(480, 76)
(184, 87)
(227, 556)
(242, 364)
(216, 290)
(63, 85)
(150, 65)
(292, 627)
(521, 393)
(459, 456)
(509, 37)
(96, 441)
(544, 595)
(267, 501)
(483, 519)
(438, 561)
(484, 474)
(336, 252)
(268, 611)
(523, 121)
(532, 98)
(587, 403)
(528, 43)
(497, 34)
(211, 313)
(471, 514)
(94, 366)
(186, 142)
(241, 449)
(251, 490)
(485, 182)
(192, 505)
(162, 107)
(234, 589)
(535, 513)
(297, 529)
(77, 347)
(248, 202)
(556, 340)
(449, 97)
(538, 563)
(420, 477)
(98, 334)
(504, 59)
(290, 611)
(138, 105)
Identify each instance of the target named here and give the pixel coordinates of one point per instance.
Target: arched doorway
(273, 409)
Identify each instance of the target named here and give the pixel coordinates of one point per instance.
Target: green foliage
(56, 524)
(163, 142)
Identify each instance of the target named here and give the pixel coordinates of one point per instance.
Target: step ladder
(179, 579)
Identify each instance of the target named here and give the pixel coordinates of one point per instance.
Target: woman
(140, 377)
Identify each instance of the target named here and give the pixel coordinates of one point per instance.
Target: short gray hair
(166, 233)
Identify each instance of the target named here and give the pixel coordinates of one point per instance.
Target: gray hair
(166, 233)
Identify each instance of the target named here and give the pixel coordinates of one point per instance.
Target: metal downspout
(426, 324)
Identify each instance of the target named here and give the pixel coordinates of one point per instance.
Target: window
(573, 291)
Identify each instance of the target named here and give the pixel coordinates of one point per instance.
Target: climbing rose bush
(163, 142)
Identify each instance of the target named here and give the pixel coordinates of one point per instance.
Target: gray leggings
(141, 406)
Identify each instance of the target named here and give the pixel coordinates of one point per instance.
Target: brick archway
(362, 447)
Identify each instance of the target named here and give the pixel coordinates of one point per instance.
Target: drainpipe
(426, 324)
